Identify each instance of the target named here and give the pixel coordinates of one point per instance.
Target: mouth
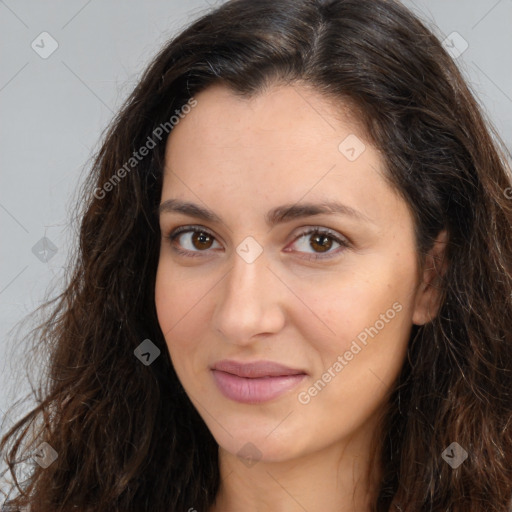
(255, 382)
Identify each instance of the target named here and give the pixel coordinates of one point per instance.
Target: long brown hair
(128, 438)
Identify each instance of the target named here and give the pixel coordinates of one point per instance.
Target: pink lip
(255, 382)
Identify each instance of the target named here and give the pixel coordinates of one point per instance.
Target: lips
(257, 369)
(255, 382)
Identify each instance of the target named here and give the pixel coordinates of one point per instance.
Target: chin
(257, 445)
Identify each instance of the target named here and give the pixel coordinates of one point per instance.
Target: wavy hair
(127, 436)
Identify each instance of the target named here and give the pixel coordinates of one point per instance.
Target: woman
(293, 286)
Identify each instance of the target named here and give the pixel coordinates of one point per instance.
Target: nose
(251, 301)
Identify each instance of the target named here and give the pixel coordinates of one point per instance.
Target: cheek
(165, 298)
(359, 360)
(176, 304)
(182, 304)
(363, 315)
(344, 307)
(170, 307)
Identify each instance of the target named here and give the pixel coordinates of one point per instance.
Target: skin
(240, 158)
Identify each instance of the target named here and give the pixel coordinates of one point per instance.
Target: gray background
(53, 112)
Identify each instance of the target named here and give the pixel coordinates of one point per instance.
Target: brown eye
(202, 240)
(316, 243)
(191, 240)
(321, 242)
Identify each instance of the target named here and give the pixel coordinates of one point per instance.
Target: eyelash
(312, 257)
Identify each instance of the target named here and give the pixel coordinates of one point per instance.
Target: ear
(428, 295)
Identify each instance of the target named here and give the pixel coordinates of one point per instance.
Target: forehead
(274, 148)
(269, 117)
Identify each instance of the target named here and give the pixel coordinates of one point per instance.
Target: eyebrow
(280, 214)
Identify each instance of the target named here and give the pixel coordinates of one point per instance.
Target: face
(272, 275)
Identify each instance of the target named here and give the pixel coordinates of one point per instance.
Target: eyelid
(342, 240)
(308, 230)
(190, 227)
(173, 234)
